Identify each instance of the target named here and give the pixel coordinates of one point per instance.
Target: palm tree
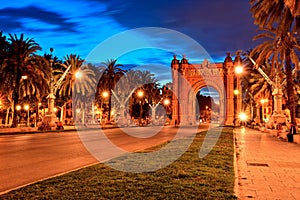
(67, 86)
(281, 17)
(36, 85)
(255, 87)
(294, 6)
(80, 80)
(3, 48)
(20, 50)
(281, 14)
(112, 73)
(122, 92)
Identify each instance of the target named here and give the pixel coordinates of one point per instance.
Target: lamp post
(140, 94)
(105, 95)
(238, 70)
(243, 117)
(26, 107)
(166, 103)
(263, 101)
(18, 108)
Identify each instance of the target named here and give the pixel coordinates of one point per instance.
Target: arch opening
(207, 105)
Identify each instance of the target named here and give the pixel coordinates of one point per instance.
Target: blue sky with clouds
(78, 27)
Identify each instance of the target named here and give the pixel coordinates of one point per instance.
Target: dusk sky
(77, 27)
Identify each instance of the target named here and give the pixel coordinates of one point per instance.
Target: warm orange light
(105, 94)
(166, 102)
(243, 116)
(26, 107)
(140, 93)
(238, 69)
(18, 107)
(78, 74)
(236, 92)
(262, 101)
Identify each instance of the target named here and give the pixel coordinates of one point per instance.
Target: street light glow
(238, 69)
(236, 92)
(78, 75)
(26, 107)
(105, 94)
(140, 93)
(166, 102)
(262, 101)
(18, 107)
(243, 116)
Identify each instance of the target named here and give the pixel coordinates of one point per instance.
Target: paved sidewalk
(267, 167)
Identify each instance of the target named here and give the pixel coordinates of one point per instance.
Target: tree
(79, 81)
(3, 48)
(67, 85)
(20, 50)
(112, 73)
(122, 92)
(35, 85)
(282, 18)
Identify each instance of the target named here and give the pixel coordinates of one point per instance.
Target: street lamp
(26, 107)
(140, 94)
(105, 95)
(243, 117)
(167, 102)
(78, 75)
(236, 92)
(18, 108)
(263, 101)
(238, 69)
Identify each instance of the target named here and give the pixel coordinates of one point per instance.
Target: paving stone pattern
(267, 167)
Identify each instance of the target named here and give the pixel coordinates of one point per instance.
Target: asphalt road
(27, 158)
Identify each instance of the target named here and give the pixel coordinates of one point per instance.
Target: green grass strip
(189, 177)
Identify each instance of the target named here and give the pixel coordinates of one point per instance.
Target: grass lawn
(187, 178)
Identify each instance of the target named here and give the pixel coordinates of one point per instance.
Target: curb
(236, 175)
(20, 132)
(34, 132)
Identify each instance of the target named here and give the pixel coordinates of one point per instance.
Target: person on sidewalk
(293, 129)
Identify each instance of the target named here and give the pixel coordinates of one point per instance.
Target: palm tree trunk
(36, 113)
(16, 97)
(109, 105)
(290, 87)
(7, 116)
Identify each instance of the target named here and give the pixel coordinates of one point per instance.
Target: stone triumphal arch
(188, 79)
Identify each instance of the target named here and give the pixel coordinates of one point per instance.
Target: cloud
(219, 26)
(31, 18)
(79, 26)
